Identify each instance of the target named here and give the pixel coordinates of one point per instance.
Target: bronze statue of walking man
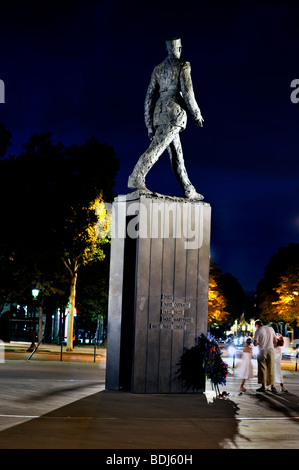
(169, 94)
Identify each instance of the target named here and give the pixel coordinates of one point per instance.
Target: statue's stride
(165, 117)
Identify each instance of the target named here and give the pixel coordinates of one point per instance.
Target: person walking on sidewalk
(265, 339)
(246, 370)
(277, 354)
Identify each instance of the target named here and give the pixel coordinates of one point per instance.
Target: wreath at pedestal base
(200, 362)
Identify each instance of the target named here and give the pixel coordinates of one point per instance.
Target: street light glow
(35, 292)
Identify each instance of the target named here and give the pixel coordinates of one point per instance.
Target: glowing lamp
(35, 292)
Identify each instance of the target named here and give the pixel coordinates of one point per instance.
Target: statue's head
(174, 47)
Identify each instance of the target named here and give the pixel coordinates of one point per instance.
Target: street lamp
(35, 292)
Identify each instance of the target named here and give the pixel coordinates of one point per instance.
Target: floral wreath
(200, 361)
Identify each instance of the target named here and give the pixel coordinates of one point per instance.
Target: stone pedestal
(158, 297)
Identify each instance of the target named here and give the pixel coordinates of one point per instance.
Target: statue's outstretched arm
(188, 93)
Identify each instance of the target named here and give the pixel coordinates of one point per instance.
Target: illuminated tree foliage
(286, 308)
(83, 246)
(217, 313)
(276, 296)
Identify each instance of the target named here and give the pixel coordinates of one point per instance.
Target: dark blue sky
(81, 68)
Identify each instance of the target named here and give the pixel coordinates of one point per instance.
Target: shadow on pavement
(121, 420)
(72, 387)
(288, 403)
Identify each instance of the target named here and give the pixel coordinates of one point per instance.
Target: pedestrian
(245, 371)
(265, 339)
(277, 354)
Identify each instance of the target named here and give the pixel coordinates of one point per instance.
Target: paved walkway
(64, 405)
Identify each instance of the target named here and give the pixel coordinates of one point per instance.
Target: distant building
(242, 327)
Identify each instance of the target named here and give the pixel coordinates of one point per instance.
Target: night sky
(81, 69)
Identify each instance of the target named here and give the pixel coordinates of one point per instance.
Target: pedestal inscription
(158, 297)
(172, 314)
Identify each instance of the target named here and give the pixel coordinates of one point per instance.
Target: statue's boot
(137, 177)
(136, 182)
(192, 194)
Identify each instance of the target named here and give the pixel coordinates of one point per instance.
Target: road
(45, 352)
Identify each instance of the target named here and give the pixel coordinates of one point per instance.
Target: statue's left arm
(188, 93)
(149, 104)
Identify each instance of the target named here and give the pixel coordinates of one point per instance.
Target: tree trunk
(70, 330)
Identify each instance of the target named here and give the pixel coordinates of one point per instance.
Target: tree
(50, 195)
(279, 282)
(92, 292)
(234, 295)
(286, 307)
(93, 179)
(217, 313)
(5, 137)
(82, 246)
(28, 256)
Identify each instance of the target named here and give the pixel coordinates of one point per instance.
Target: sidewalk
(19, 350)
(101, 419)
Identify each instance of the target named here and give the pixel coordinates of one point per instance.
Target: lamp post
(35, 292)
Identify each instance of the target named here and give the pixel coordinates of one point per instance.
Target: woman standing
(277, 354)
(246, 369)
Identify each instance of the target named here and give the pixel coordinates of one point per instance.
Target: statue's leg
(178, 165)
(162, 138)
(177, 162)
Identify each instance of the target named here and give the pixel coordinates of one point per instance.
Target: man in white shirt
(265, 338)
